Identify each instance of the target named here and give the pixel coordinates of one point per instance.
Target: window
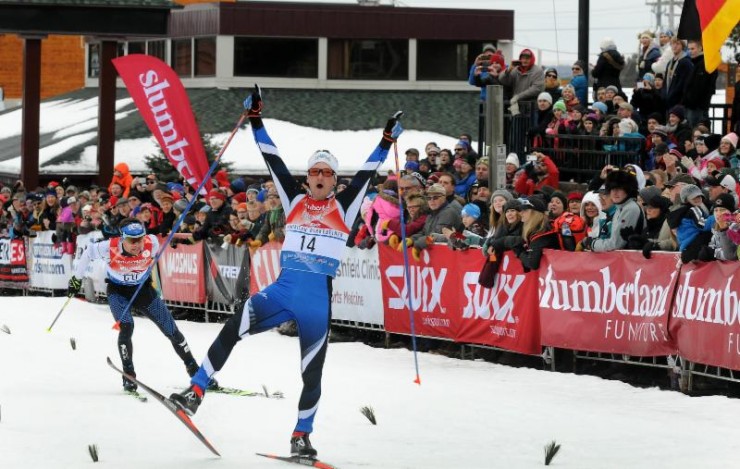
(205, 57)
(93, 61)
(138, 47)
(276, 57)
(368, 59)
(156, 49)
(182, 56)
(444, 60)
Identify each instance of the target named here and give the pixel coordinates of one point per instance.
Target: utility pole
(583, 25)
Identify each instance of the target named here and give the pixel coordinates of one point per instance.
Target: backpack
(569, 225)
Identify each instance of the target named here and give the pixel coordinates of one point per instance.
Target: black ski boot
(128, 385)
(189, 399)
(300, 446)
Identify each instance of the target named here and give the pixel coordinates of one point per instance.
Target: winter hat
(501, 193)
(534, 203)
(649, 77)
(217, 194)
(238, 185)
(613, 89)
(689, 192)
(471, 210)
(658, 117)
(660, 131)
(411, 166)
(181, 205)
(513, 158)
(323, 156)
(545, 96)
(627, 106)
(483, 160)
(413, 151)
(725, 201)
(166, 196)
(622, 180)
(254, 188)
(51, 192)
(732, 138)
(678, 111)
(121, 201)
(205, 209)
(680, 178)
(175, 187)
(592, 118)
(607, 44)
(649, 192)
(71, 200)
(112, 199)
(559, 105)
(575, 195)
(563, 199)
(513, 204)
(489, 47)
(580, 64)
(591, 197)
(726, 181)
(718, 162)
(659, 202)
(240, 197)
(601, 107)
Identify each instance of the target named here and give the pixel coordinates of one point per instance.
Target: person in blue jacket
(317, 227)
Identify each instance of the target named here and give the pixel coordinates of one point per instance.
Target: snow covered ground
(55, 401)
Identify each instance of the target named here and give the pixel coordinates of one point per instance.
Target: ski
(171, 406)
(298, 460)
(136, 395)
(242, 392)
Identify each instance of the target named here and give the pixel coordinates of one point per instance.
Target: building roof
(96, 3)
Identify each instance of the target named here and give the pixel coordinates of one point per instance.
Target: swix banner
(704, 320)
(504, 316)
(164, 105)
(613, 303)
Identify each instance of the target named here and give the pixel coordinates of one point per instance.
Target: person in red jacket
(536, 174)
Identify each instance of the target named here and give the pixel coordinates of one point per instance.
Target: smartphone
(640, 85)
(516, 63)
(532, 158)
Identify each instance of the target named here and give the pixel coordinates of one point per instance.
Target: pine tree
(161, 166)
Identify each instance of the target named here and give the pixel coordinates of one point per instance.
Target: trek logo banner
(164, 105)
(607, 303)
(705, 319)
(228, 266)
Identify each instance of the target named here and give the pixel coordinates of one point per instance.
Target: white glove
(687, 162)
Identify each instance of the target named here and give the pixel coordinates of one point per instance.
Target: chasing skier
(316, 231)
(128, 257)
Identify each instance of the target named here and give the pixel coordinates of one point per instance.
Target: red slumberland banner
(163, 103)
(264, 266)
(705, 319)
(181, 273)
(612, 303)
(506, 315)
(449, 303)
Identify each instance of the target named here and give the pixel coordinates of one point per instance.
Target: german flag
(710, 21)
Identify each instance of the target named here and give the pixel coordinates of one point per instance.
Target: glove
(687, 162)
(271, 236)
(253, 103)
(647, 250)
(255, 244)
(384, 224)
(587, 242)
(74, 286)
(393, 127)
(416, 254)
(394, 241)
(529, 170)
(409, 243)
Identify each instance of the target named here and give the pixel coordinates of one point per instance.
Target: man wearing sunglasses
(127, 259)
(316, 232)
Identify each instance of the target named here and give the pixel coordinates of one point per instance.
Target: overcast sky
(538, 21)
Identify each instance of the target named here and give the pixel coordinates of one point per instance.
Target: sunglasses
(576, 68)
(549, 75)
(459, 149)
(434, 197)
(326, 172)
(149, 181)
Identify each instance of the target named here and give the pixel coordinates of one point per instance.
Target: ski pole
(69, 298)
(176, 226)
(407, 268)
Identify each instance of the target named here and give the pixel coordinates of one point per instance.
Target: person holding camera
(526, 80)
(486, 70)
(539, 171)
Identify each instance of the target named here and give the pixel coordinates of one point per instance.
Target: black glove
(636, 241)
(253, 103)
(393, 127)
(647, 250)
(74, 286)
(586, 243)
(529, 170)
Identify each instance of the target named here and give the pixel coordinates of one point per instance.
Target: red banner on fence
(704, 320)
(181, 273)
(264, 266)
(13, 260)
(506, 315)
(618, 304)
(164, 105)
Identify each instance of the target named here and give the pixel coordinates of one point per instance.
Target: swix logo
(180, 263)
(167, 133)
(497, 303)
(229, 271)
(426, 286)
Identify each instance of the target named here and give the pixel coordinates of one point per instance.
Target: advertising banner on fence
(229, 273)
(181, 273)
(49, 266)
(13, 260)
(96, 268)
(264, 267)
(435, 291)
(356, 294)
(505, 316)
(617, 304)
(705, 319)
